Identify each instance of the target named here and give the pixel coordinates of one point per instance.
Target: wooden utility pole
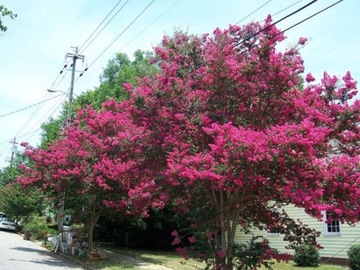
(74, 56)
(13, 152)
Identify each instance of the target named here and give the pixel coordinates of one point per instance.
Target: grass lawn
(292, 266)
(165, 258)
(109, 265)
(176, 262)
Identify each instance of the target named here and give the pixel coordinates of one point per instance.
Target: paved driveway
(19, 254)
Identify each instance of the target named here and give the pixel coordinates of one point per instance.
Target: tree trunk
(94, 216)
(92, 222)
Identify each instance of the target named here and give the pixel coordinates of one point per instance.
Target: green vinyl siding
(334, 245)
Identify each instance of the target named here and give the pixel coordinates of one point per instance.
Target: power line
(280, 11)
(315, 14)
(294, 25)
(99, 25)
(22, 135)
(18, 135)
(271, 25)
(126, 28)
(104, 26)
(53, 86)
(28, 107)
(254, 11)
(32, 116)
(41, 120)
(66, 63)
(142, 31)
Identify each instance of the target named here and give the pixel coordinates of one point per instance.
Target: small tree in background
(20, 203)
(15, 201)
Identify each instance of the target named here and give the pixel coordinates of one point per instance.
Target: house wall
(334, 246)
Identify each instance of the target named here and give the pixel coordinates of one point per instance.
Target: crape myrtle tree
(94, 164)
(240, 136)
(225, 133)
(67, 154)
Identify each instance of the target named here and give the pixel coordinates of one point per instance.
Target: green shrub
(306, 255)
(354, 257)
(254, 253)
(38, 228)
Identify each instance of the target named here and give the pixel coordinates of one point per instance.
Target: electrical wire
(294, 25)
(280, 11)
(106, 25)
(254, 11)
(146, 28)
(271, 25)
(61, 71)
(6, 149)
(142, 31)
(100, 25)
(47, 115)
(62, 78)
(27, 107)
(126, 28)
(32, 115)
(313, 15)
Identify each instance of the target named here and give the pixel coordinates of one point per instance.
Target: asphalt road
(19, 254)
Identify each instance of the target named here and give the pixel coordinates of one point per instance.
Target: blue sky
(34, 47)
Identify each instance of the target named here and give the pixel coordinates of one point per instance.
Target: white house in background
(335, 238)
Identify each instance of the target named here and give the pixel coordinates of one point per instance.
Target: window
(273, 231)
(331, 227)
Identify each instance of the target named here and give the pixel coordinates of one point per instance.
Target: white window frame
(326, 226)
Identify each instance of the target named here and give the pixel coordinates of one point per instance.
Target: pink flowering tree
(238, 132)
(94, 165)
(227, 133)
